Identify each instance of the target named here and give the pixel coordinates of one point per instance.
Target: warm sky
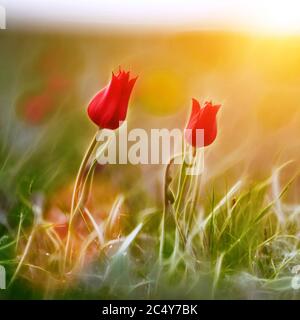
(271, 16)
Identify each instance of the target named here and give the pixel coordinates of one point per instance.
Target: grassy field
(231, 233)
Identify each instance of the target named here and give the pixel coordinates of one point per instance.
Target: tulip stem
(167, 181)
(77, 191)
(183, 179)
(81, 171)
(194, 152)
(181, 186)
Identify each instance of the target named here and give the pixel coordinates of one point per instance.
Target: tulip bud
(205, 119)
(109, 107)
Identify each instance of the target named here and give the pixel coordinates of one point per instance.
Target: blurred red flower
(205, 119)
(109, 107)
(37, 107)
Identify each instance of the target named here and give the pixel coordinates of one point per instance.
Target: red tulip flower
(109, 107)
(202, 118)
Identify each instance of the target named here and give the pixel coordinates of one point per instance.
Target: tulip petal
(125, 98)
(196, 109)
(195, 106)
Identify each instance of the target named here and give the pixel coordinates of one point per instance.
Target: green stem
(166, 202)
(80, 174)
(77, 190)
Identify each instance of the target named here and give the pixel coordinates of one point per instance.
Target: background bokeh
(47, 80)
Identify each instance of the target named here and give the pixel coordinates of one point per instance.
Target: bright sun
(277, 16)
